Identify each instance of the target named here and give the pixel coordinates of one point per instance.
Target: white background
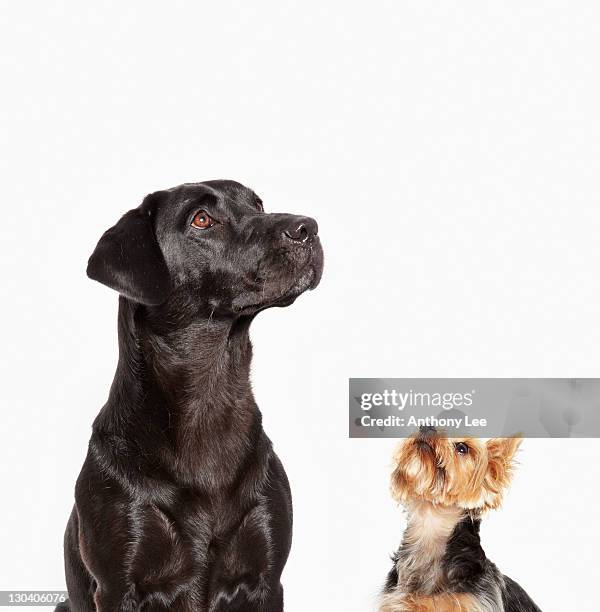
(451, 155)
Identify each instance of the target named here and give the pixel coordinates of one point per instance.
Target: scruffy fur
(445, 485)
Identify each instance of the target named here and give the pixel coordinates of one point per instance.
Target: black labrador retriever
(182, 504)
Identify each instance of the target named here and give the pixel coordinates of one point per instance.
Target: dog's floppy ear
(128, 259)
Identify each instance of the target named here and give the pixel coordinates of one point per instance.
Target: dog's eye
(461, 448)
(202, 220)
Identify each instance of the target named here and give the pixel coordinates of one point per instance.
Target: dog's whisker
(212, 312)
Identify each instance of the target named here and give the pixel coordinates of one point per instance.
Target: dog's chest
(420, 567)
(178, 547)
(420, 559)
(165, 547)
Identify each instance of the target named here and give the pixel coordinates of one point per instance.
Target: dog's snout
(301, 229)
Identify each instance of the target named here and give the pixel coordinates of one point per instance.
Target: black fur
(466, 569)
(464, 561)
(181, 503)
(515, 599)
(392, 578)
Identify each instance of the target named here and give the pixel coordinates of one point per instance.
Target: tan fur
(426, 535)
(430, 469)
(438, 487)
(447, 602)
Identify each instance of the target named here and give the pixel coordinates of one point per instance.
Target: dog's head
(463, 472)
(211, 247)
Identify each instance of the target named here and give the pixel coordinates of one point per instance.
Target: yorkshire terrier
(445, 485)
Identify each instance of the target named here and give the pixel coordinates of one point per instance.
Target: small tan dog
(445, 485)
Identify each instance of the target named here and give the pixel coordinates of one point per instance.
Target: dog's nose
(427, 431)
(302, 229)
